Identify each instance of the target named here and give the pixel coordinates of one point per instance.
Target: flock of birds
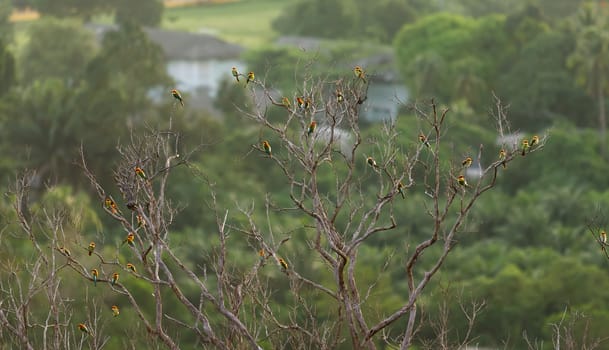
(130, 239)
(266, 147)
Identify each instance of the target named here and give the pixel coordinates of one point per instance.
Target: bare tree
(235, 309)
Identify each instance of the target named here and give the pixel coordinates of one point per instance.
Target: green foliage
(141, 12)
(553, 92)
(68, 8)
(56, 49)
(325, 18)
(449, 56)
(6, 27)
(354, 19)
(7, 69)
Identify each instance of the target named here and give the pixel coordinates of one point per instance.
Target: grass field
(245, 22)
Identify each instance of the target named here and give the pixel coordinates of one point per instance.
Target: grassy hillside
(246, 22)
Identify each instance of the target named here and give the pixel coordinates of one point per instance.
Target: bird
(339, 96)
(307, 103)
(111, 205)
(114, 278)
(301, 102)
(603, 237)
(250, 77)
(461, 181)
(176, 94)
(131, 267)
(502, 156)
(140, 172)
(267, 148)
(83, 328)
(130, 239)
(235, 73)
(94, 273)
(91, 248)
(534, 141)
(359, 73)
(262, 254)
(371, 162)
(64, 251)
(283, 264)
(140, 221)
(115, 311)
(285, 102)
(401, 189)
(312, 127)
(423, 140)
(467, 162)
(525, 146)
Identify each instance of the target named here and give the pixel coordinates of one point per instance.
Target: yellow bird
(131, 267)
(250, 77)
(525, 147)
(401, 189)
(283, 264)
(267, 148)
(83, 328)
(371, 162)
(91, 248)
(423, 140)
(285, 102)
(467, 162)
(115, 311)
(359, 73)
(502, 156)
(461, 181)
(235, 73)
(534, 141)
(178, 96)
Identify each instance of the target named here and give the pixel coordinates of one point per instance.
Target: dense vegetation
(529, 251)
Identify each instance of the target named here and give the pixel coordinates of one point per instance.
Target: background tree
(141, 12)
(70, 8)
(43, 58)
(588, 60)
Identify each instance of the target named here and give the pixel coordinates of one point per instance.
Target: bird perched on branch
(114, 278)
(235, 73)
(250, 77)
(130, 239)
(95, 274)
(401, 189)
(525, 147)
(131, 267)
(91, 248)
(267, 148)
(461, 181)
(83, 328)
(534, 141)
(111, 205)
(140, 172)
(502, 157)
(176, 94)
(467, 162)
(359, 73)
(423, 140)
(371, 162)
(115, 311)
(312, 128)
(283, 264)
